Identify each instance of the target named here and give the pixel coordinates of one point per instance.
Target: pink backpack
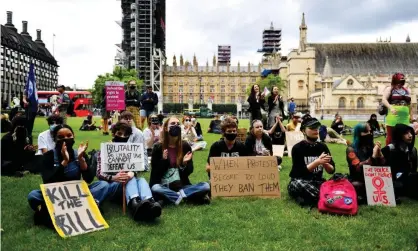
(338, 196)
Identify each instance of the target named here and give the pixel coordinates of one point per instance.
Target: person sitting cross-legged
(309, 158)
(139, 198)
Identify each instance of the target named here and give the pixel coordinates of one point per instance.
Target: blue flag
(32, 92)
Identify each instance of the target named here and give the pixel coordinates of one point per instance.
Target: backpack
(322, 133)
(338, 196)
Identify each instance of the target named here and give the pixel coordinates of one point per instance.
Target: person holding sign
(309, 158)
(172, 164)
(228, 146)
(401, 156)
(139, 198)
(360, 153)
(64, 164)
(258, 142)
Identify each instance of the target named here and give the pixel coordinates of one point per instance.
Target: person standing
(132, 101)
(276, 106)
(30, 101)
(291, 108)
(256, 101)
(148, 100)
(63, 102)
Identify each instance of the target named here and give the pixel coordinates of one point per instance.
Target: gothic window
(341, 102)
(360, 102)
(350, 83)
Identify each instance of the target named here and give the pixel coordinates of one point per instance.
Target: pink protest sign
(115, 95)
(379, 185)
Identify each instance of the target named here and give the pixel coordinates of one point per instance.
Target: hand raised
(165, 154)
(187, 157)
(82, 149)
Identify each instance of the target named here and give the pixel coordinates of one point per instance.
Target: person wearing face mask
(140, 202)
(152, 133)
(198, 128)
(309, 159)
(45, 139)
(172, 165)
(360, 153)
(133, 102)
(16, 151)
(228, 146)
(401, 156)
(64, 163)
(188, 133)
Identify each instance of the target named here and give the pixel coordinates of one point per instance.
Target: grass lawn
(226, 224)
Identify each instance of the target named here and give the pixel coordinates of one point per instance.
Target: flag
(266, 91)
(32, 92)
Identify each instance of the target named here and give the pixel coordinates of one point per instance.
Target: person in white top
(45, 140)
(152, 132)
(137, 136)
(189, 134)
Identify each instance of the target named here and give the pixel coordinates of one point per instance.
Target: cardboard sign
(116, 157)
(278, 150)
(244, 176)
(115, 95)
(379, 185)
(292, 138)
(72, 208)
(242, 134)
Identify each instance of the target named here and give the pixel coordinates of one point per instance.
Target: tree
(118, 74)
(269, 81)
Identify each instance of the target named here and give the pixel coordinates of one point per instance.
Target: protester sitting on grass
(196, 125)
(228, 146)
(278, 134)
(309, 159)
(6, 125)
(88, 124)
(188, 133)
(152, 133)
(401, 156)
(361, 153)
(64, 164)
(374, 125)
(172, 164)
(45, 139)
(258, 142)
(215, 125)
(338, 124)
(141, 204)
(16, 152)
(137, 136)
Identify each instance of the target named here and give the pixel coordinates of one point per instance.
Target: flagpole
(53, 45)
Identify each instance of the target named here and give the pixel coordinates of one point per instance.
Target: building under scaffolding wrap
(143, 42)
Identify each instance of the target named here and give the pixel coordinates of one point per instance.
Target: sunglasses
(174, 123)
(187, 120)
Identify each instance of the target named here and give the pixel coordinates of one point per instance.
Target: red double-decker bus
(83, 101)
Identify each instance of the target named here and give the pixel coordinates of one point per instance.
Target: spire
(327, 73)
(174, 60)
(207, 63)
(181, 60)
(194, 60)
(408, 39)
(303, 30)
(271, 26)
(303, 24)
(214, 60)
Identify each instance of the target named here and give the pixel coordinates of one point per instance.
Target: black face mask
(132, 87)
(119, 139)
(174, 131)
(68, 142)
(230, 136)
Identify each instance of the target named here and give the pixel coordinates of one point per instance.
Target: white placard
(379, 186)
(278, 150)
(116, 157)
(292, 138)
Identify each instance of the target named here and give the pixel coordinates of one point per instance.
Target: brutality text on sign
(72, 208)
(116, 157)
(379, 185)
(244, 176)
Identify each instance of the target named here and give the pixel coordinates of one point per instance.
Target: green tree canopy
(118, 74)
(269, 81)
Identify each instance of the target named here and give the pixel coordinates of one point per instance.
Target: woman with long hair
(189, 134)
(276, 106)
(64, 163)
(397, 100)
(361, 152)
(256, 101)
(172, 164)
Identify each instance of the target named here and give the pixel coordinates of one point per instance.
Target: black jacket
(250, 143)
(149, 104)
(160, 166)
(132, 98)
(254, 105)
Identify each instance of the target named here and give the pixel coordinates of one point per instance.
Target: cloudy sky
(86, 32)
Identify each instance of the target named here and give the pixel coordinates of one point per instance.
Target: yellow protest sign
(72, 208)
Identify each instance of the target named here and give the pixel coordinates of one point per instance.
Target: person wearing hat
(397, 100)
(133, 102)
(148, 100)
(63, 102)
(295, 124)
(309, 158)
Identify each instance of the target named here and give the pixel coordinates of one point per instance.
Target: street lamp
(307, 86)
